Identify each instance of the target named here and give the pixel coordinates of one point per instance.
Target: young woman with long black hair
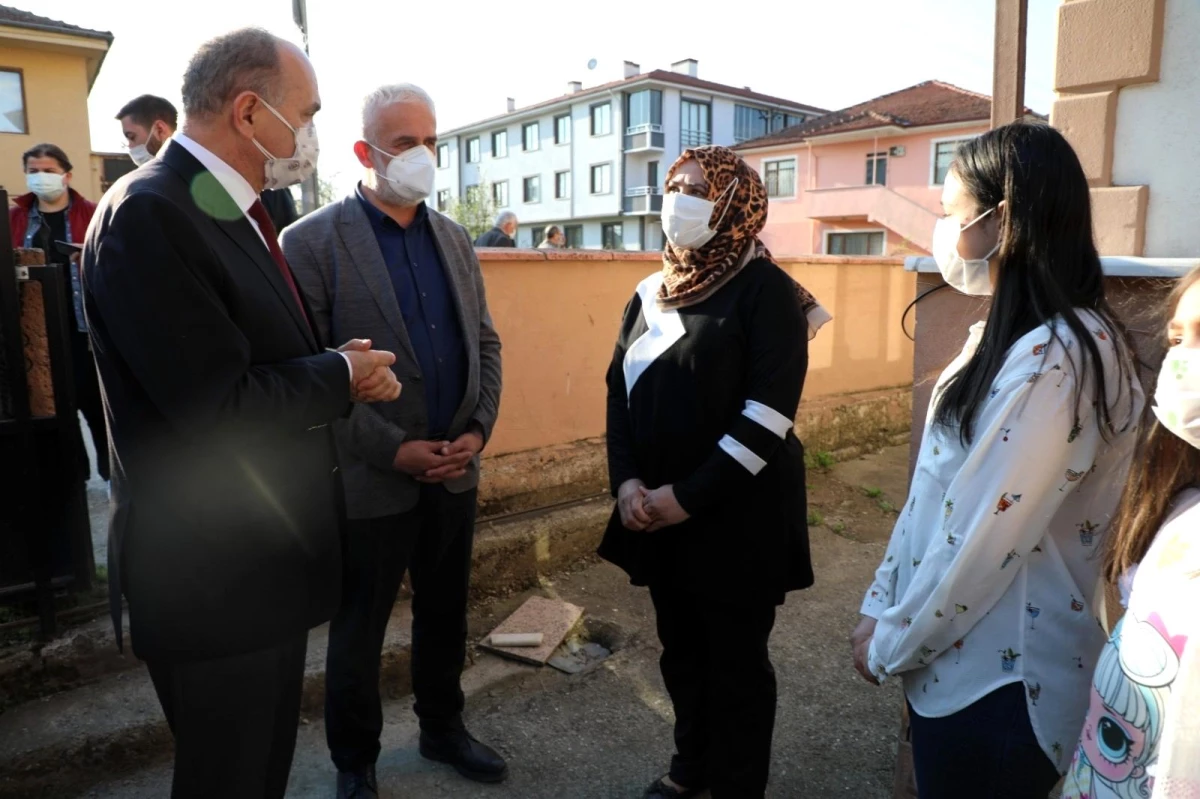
(980, 602)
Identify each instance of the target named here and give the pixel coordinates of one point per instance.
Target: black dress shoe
(473, 760)
(358, 784)
(660, 790)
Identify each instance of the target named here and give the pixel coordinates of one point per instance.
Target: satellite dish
(592, 64)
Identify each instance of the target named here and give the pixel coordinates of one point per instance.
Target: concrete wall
(558, 315)
(56, 95)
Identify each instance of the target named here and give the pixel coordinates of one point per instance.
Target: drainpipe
(619, 178)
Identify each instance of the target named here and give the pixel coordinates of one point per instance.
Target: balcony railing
(643, 200)
(695, 138)
(644, 137)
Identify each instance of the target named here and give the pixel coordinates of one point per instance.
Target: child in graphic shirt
(1154, 552)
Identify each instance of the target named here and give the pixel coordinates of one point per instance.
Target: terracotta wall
(558, 315)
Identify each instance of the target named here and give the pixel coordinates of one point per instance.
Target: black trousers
(234, 720)
(88, 400)
(433, 542)
(718, 672)
(987, 749)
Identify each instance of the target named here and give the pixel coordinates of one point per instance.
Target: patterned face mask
(1177, 396)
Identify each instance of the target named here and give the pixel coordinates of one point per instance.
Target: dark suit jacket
(342, 273)
(224, 535)
(495, 238)
(281, 207)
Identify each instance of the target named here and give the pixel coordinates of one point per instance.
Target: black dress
(704, 398)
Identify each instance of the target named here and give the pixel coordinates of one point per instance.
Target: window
(443, 200)
(473, 150)
(531, 137)
(643, 108)
(876, 169)
(474, 193)
(695, 124)
(500, 144)
(500, 193)
(943, 156)
(866, 243)
(610, 236)
(780, 120)
(533, 189)
(652, 174)
(780, 177)
(538, 233)
(574, 234)
(602, 119)
(12, 102)
(748, 123)
(601, 178)
(562, 185)
(443, 156)
(562, 129)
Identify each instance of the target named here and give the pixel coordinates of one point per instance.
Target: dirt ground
(607, 732)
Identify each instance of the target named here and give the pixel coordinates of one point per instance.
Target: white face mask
(1177, 397)
(409, 174)
(48, 186)
(971, 277)
(140, 153)
(685, 218)
(299, 166)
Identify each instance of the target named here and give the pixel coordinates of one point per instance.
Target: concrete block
(1119, 219)
(1108, 43)
(1089, 121)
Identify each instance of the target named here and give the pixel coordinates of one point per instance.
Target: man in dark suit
(504, 234)
(382, 265)
(225, 527)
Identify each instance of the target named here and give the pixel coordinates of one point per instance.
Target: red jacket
(79, 215)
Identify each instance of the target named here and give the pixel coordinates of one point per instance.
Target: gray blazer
(338, 266)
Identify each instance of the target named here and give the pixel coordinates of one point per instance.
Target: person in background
(1153, 554)
(706, 467)
(225, 535)
(147, 122)
(381, 264)
(504, 234)
(54, 211)
(554, 239)
(979, 603)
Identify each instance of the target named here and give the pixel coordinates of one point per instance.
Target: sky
(470, 59)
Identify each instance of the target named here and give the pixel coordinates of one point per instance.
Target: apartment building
(866, 180)
(593, 160)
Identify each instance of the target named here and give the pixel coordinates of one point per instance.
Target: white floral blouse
(990, 570)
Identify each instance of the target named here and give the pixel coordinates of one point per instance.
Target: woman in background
(554, 239)
(709, 475)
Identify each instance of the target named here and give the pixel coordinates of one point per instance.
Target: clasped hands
(643, 509)
(860, 645)
(372, 378)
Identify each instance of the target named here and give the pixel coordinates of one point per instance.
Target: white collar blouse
(990, 570)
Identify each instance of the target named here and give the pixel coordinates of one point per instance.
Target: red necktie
(259, 214)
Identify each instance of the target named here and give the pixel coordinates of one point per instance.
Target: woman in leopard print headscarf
(691, 276)
(707, 470)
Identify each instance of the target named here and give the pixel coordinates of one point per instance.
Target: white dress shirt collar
(230, 179)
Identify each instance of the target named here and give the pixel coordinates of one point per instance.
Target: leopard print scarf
(692, 276)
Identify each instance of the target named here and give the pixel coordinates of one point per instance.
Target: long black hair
(1048, 269)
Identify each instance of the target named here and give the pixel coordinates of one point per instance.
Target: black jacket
(281, 207)
(495, 238)
(225, 532)
(704, 399)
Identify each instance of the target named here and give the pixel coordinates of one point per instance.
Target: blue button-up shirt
(427, 305)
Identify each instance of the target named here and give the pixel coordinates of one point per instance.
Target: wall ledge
(511, 254)
(1113, 265)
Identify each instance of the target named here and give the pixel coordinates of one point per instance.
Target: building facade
(47, 69)
(593, 161)
(866, 180)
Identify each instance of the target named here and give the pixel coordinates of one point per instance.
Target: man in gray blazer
(381, 265)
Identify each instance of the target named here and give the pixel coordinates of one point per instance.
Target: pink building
(866, 180)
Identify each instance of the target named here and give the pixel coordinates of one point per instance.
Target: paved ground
(607, 733)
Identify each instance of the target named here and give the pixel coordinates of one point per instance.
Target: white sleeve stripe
(740, 453)
(768, 417)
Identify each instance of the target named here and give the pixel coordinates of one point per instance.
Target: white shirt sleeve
(1013, 480)
(349, 366)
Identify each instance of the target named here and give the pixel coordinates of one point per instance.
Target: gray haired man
(384, 266)
(504, 234)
